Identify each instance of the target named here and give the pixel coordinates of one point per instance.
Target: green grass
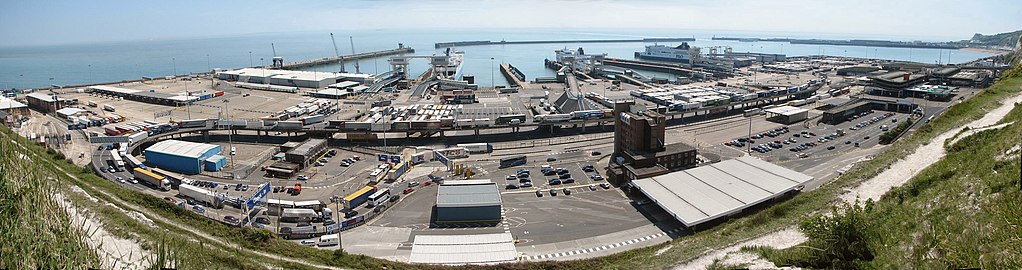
(36, 232)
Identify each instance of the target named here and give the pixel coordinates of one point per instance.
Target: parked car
(511, 186)
(413, 184)
(567, 191)
(303, 177)
(539, 193)
(409, 190)
(526, 184)
(308, 242)
(551, 159)
(553, 192)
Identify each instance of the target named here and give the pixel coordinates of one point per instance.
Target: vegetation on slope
(35, 232)
(1009, 39)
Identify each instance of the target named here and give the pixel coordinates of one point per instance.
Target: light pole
(230, 132)
(492, 85)
(209, 66)
(250, 64)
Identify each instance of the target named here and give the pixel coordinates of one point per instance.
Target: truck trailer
(151, 178)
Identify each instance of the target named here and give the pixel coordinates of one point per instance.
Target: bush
(892, 134)
(839, 240)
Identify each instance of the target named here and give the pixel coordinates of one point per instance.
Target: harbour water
(42, 66)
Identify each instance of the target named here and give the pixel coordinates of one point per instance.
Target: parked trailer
(200, 194)
(553, 118)
(359, 197)
(309, 120)
(152, 179)
(107, 107)
(299, 215)
(289, 124)
(192, 123)
(477, 147)
(92, 103)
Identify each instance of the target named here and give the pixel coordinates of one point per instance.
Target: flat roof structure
(786, 110)
(332, 93)
(713, 191)
(464, 249)
(467, 193)
(118, 90)
(344, 84)
(181, 148)
(6, 103)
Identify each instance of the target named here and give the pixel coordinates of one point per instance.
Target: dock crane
(352, 40)
(278, 62)
(337, 53)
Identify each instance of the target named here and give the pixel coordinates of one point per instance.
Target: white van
(329, 240)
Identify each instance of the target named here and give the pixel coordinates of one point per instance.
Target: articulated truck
(152, 179)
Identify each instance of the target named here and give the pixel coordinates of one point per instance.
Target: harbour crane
(352, 40)
(337, 52)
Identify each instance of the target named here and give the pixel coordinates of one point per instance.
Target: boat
(449, 65)
(682, 53)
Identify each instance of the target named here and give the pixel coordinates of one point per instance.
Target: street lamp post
(492, 85)
(250, 64)
(230, 132)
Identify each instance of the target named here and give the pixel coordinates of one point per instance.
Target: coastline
(984, 50)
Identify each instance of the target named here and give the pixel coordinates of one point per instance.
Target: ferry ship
(449, 65)
(682, 53)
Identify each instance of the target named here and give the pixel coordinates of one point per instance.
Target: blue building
(185, 157)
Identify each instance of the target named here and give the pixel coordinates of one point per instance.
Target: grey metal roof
(705, 193)
(306, 147)
(181, 148)
(463, 249)
(468, 194)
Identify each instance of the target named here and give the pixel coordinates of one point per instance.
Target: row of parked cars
(874, 119)
(567, 191)
(740, 142)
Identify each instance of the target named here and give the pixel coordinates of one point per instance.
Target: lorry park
(336, 166)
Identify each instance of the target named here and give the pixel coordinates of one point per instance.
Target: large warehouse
(185, 157)
(467, 201)
(706, 193)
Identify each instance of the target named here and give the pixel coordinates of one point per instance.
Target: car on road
(198, 209)
(865, 138)
(303, 177)
(434, 178)
(190, 201)
(308, 242)
(413, 184)
(605, 185)
(318, 164)
(511, 186)
(244, 187)
(551, 159)
(102, 169)
(803, 155)
(231, 219)
(133, 180)
(848, 142)
(170, 200)
(831, 147)
(120, 179)
(409, 190)
(539, 193)
(350, 214)
(597, 153)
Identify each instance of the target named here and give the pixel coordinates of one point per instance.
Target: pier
(502, 42)
(514, 76)
(345, 58)
(659, 67)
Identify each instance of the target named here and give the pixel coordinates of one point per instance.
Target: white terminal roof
(464, 249)
(709, 192)
(334, 92)
(6, 103)
(114, 89)
(786, 110)
(181, 148)
(65, 111)
(344, 84)
(285, 74)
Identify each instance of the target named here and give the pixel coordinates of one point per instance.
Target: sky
(34, 23)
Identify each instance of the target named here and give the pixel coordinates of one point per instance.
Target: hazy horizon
(70, 22)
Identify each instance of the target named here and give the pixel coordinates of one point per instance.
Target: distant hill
(1009, 39)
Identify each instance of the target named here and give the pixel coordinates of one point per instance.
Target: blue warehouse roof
(181, 148)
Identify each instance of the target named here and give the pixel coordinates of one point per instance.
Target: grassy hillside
(1008, 39)
(35, 232)
(964, 211)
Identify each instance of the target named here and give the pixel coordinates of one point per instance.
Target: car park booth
(787, 114)
(468, 201)
(180, 156)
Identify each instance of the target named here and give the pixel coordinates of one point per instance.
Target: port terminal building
(185, 157)
(716, 191)
(468, 201)
(307, 79)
